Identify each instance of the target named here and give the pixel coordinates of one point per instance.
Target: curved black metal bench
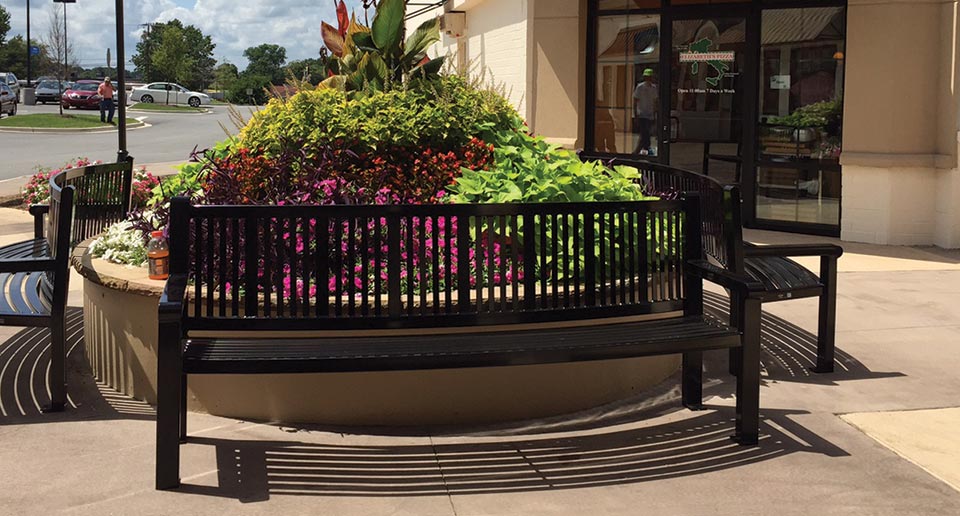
(34, 274)
(769, 265)
(34, 278)
(633, 270)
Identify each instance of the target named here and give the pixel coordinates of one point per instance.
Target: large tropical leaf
(354, 29)
(428, 68)
(343, 19)
(388, 25)
(426, 34)
(364, 41)
(336, 82)
(332, 39)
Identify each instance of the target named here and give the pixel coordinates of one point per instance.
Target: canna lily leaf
(332, 39)
(388, 25)
(343, 19)
(425, 35)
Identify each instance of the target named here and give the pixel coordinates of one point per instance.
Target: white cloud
(234, 26)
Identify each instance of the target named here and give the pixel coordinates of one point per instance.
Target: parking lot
(168, 137)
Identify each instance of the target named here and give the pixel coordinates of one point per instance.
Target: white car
(168, 93)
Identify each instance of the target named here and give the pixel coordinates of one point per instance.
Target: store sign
(780, 82)
(701, 52)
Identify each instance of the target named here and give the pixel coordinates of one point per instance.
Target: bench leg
(692, 387)
(183, 408)
(748, 381)
(169, 384)
(58, 373)
(827, 327)
(733, 363)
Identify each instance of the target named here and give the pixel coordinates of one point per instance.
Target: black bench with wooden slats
(34, 279)
(591, 281)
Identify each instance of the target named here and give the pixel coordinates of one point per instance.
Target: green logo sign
(700, 52)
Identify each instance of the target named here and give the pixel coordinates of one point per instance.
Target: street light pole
(29, 83)
(122, 154)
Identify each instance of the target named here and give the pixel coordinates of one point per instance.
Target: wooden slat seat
(33, 248)
(246, 356)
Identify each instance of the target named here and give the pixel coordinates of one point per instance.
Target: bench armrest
(172, 302)
(27, 265)
(38, 211)
(739, 283)
(822, 250)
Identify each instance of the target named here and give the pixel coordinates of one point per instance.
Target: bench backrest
(57, 234)
(378, 267)
(102, 196)
(720, 206)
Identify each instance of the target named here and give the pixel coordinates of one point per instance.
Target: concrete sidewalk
(824, 451)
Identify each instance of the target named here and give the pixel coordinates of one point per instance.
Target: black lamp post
(122, 153)
(29, 82)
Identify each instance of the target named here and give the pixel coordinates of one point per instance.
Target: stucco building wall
(900, 176)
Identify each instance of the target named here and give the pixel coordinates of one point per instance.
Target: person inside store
(646, 96)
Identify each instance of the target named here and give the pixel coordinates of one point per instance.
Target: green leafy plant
(376, 58)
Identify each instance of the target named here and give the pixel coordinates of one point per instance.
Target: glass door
(705, 129)
(800, 119)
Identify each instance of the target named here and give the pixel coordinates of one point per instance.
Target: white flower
(121, 243)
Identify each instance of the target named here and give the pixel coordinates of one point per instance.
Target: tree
(310, 70)
(4, 24)
(173, 52)
(249, 89)
(225, 75)
(267, 61)
(61, 52)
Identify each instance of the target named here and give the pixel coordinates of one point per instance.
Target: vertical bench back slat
(348, 267)
(102, 197)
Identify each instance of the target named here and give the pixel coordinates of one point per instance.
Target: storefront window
(627, 91)
(801, 109)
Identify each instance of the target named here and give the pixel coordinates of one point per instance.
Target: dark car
(83, 94)
(8, 101)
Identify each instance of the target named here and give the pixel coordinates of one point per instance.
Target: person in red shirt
(105, 90)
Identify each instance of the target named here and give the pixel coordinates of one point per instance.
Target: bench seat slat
(780, 274)
(20, 294)
(35, 248)
(461, 350)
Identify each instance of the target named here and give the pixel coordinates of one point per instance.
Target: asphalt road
(170, 137)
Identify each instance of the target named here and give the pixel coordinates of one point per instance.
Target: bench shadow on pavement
(787, 351)
(252, 471)
(24, 364)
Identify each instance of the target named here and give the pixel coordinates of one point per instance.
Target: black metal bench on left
(34, 280)
(34, 275)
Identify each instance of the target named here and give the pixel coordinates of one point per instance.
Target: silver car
(8, 101)
(50, 91)
(11, 81)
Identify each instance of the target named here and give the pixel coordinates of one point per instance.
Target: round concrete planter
(120, 330)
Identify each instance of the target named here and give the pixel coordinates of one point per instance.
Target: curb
(205, 111)
(44, 130)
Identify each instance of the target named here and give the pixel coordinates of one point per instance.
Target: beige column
(900, 123)
(558, 39)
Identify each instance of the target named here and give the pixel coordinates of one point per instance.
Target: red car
(83, 94)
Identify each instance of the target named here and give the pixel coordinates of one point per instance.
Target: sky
(234, 26)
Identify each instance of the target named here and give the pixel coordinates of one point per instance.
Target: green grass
(180, 108)
(55, 121)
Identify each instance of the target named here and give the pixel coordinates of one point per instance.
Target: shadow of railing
(788, 351)
(254, 470)
(25, 367)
